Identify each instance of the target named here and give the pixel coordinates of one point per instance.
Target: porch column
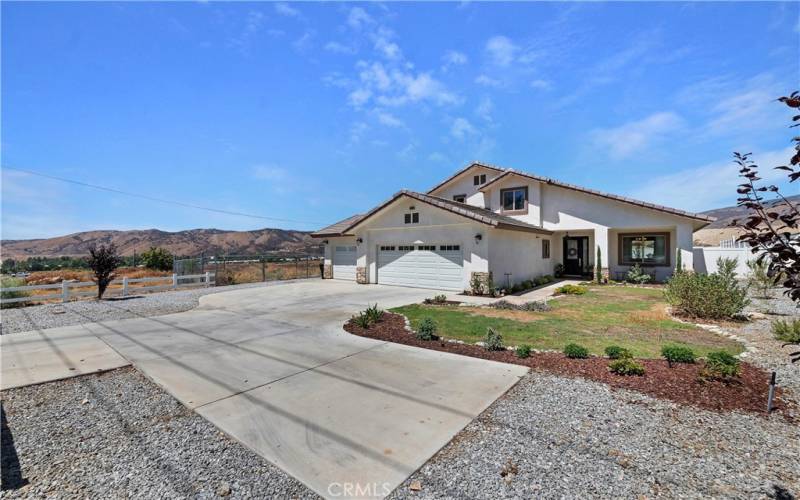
(684, 234)
(601, 241)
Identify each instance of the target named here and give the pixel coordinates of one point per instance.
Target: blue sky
(313, 112)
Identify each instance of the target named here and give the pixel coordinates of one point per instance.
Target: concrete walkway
(273, 368)
(542, 293)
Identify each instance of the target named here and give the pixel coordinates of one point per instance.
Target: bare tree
(103, 261)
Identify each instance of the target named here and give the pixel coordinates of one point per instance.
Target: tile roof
(477, 214)
(337, 228)
(473, 164)
(623, 199)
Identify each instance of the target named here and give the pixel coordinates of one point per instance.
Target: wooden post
(263, 270)
(208, 279)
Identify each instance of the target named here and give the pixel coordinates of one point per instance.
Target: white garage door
(422, 266)
(344, 263)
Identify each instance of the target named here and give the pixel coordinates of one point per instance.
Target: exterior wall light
(478, 238)
(359, 241)
(324, 242)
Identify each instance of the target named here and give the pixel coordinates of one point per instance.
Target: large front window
(645, 249)
(514, 199)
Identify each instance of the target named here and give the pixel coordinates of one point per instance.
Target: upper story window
(461, 198)
(514, 199)
(412, 218)
(646, 249)
(479, 179)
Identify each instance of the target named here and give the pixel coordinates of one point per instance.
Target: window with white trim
(405, 248)
(412, 218)
(460, 198)
(387, 248)
(479, 179)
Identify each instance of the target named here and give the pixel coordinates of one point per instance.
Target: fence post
(124, 286)
(208, 279)
(263, 269)
(174, 281)
(64, 291)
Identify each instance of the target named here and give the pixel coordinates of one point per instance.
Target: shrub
(361, 320)
(373, 313)
(576, 351)
(637, 275)
(598, 268)
(721, 365)
(558, 270)
(103, 261)
(523, 351)
(787, 331)
(528, 284)
(493, 340)
(759, 277)
(571, 290)
(626, 366)
(427, 330)
(534, 306)
(437, 299)
(617, 352)
(677, 354)
(548, 278)
(714, 296)
(157, 258)
(9, 283)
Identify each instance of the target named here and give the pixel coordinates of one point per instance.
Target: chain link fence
(236, 269)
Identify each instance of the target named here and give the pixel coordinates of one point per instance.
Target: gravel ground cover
(556, 437)
(117, 435)
(24, 319)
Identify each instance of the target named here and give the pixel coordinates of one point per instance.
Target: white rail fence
(732, 243)
(67, 289)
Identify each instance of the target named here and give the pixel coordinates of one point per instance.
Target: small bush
(437, 299)
(626, 366)
(721, 365)
(637, 275)
(548, 278)
(787, 331)
(575, 351)
(523, 351)
(427, 330)
(493, 340)
(713, 296)
(617, 352)
(373, 313)
(10, 283)
(362, 320)
(677, 354)
(571, 290)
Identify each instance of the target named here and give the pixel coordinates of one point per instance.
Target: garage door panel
(421, 268)
(344, 262)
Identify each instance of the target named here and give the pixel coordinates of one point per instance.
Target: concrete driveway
(272, 367)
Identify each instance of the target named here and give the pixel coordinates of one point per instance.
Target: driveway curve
(272, 367)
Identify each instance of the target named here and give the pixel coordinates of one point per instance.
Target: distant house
(488, 222)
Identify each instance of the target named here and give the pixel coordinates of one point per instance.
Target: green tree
(157, 258)
(599, 267)
(678, 261)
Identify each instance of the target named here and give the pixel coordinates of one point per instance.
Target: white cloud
(453, 58)
(357, 131)
(462, 128)
(541, 84)
(501, 50)
(252, 25)
(270, 173)
(359, 97)
(747, 110)
(304, 42)
(336, 79)
(437, 157)
(358, 17)
(485, 109)
(635, 136)
(285, 9)
(708, 186)
(389, 50)
(388, 119)
(339, 48)
(488, 81)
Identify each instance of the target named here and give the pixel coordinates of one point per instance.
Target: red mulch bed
(680, 383)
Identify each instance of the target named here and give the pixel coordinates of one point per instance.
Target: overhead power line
(160, 200)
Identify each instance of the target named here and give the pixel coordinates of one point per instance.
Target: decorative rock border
(749, 348)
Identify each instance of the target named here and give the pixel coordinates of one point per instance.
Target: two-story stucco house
(509, 226)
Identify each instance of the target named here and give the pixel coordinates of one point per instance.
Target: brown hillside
(720, 229)
(190, 242)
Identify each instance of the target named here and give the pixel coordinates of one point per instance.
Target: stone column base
(327, 272)
(483, 281)
(361, 275)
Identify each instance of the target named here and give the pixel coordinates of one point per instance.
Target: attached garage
(344, 262)
(422, 266)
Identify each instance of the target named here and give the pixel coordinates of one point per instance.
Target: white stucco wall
(705, 259)
(436, 227)
(517, 253)
(463, 184)
(534, 215)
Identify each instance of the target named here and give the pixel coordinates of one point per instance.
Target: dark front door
(576, 255)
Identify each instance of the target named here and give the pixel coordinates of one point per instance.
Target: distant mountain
(190, 242)
(719, 230)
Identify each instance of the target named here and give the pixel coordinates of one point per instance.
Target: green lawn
(629, 317)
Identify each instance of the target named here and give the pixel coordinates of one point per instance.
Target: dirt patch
(523, 316)
(680, 384)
